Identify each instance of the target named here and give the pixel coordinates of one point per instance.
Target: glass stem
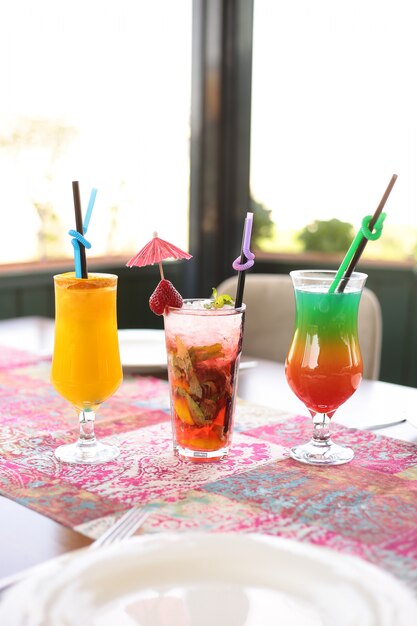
(87, 435)
(321, 432)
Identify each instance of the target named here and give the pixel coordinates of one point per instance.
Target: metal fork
(123, 528)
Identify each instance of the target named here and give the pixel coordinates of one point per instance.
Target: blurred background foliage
(331, 236)
(263, 225)
(326, 236)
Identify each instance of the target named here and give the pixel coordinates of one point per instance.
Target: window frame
(220, 137)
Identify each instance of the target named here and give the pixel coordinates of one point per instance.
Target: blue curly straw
(78, 238)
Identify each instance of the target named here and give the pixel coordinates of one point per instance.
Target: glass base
(323, 453)
(200, 456)
(87, 453)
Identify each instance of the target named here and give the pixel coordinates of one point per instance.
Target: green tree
(326, 236)
(263, 226)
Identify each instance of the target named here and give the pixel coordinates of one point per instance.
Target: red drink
(203, 348)
(324, 363)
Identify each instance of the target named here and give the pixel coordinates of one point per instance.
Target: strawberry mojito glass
(203, 350)
(324, 363)
(86, 368)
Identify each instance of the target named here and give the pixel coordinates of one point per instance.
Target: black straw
(354, 261)
(79, 226)
(246, 259)
(240, 284)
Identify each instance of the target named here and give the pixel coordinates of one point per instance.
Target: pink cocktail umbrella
(155, 251)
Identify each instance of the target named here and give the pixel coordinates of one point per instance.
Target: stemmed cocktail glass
(86, 368)
(324, 363)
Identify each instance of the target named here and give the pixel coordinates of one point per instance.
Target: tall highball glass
(203, 344)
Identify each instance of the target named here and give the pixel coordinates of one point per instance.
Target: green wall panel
(32, 294)
(8, 303)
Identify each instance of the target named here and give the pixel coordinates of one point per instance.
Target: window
(334, 117)
(98, 92)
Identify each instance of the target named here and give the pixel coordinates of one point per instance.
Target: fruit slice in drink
(203, 378)
(202, 395)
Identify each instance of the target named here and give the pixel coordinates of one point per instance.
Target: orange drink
(86, 368)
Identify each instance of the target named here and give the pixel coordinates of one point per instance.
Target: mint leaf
(219, 300)
(223, 299)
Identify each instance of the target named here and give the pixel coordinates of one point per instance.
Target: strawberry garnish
(164, 295)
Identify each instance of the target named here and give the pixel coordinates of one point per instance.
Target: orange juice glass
(86, 368)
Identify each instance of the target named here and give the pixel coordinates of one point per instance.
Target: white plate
(201, 579)
(142, 350)
(31, 334)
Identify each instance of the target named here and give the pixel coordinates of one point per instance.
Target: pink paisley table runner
(367, 508)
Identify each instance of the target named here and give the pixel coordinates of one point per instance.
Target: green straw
(371, 229)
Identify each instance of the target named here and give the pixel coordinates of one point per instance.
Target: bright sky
(335, 109)
(334, 113)
(119, 72)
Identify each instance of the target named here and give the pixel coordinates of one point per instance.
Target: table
(373, 404)
(232, 494)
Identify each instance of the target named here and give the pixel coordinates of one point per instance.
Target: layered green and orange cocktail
(324, 363)
(203, 349)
